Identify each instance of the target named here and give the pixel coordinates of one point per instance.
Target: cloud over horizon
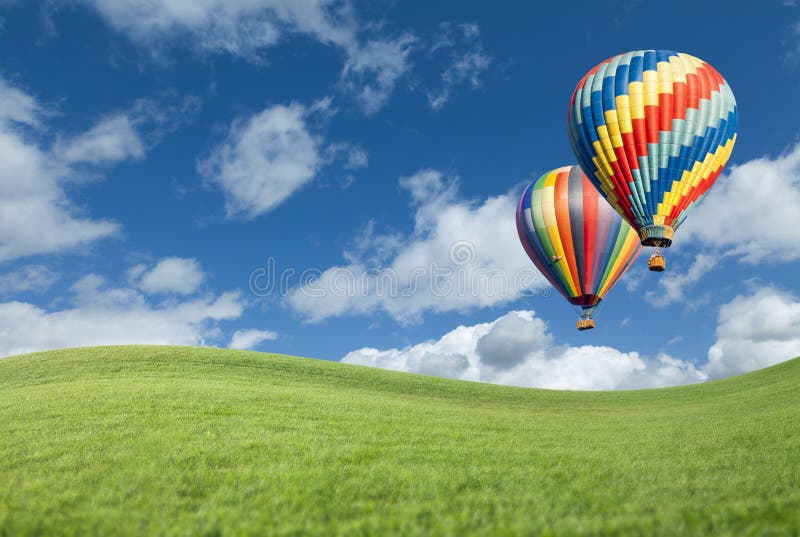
(102, 314)
(753, 331)
(756, 330)
(518, 350)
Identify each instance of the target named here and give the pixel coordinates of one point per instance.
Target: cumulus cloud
(250, 338)
(103, 315)
(751, 212)
(518, 350)
(170, 275)
(754, 331)
(461, 254)
(511, 339)
(263, 161)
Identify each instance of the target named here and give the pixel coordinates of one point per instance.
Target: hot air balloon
(575, 238)
(652, 129)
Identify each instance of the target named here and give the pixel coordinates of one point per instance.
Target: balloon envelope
(653, 129)
(574, 236)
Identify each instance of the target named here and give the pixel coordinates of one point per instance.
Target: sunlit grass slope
(188, 441)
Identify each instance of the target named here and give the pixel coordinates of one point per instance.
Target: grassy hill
(188, 441)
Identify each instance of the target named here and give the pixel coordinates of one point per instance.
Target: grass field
(194, 441)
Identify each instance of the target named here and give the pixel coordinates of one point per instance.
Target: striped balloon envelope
(653, 130)
(574, 237)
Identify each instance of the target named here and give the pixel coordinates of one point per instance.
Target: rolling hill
(147, 440)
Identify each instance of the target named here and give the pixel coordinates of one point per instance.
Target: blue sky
(156, 154)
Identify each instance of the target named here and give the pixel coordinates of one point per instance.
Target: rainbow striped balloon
(653, 129)
(574, 236)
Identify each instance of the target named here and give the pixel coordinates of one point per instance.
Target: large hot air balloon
(575, 238)
(652, 129)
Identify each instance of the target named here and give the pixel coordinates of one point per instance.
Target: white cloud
(246, 27)
(517, 349)
(346, 154)
(250, 338)
(461, 254)
(263, 161)
(127, 134)
(752, 211)
(752, 220)
(18, 106)
(461, 45)
(755, 331)
(170, 275)
(35, 215)
(112, 139)
(374, 63)
(101, 315)
(375, 67)
(238, 27)
(673, 285)
(30, 278)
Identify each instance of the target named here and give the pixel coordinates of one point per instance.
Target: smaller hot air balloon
(574, 237)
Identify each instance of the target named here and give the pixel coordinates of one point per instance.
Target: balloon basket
(658, 236)
(657, 263)
(584, 324)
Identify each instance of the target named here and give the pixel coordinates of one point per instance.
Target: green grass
(188, 441)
